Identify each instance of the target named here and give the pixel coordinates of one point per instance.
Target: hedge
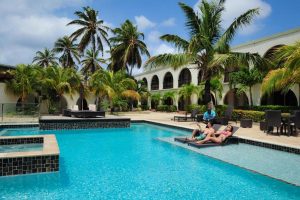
(285, 109)
(166, 108)
(144, 107)
(256, 116)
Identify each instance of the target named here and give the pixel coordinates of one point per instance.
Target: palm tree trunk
(250, 93)
(207, 95)
(216, 98)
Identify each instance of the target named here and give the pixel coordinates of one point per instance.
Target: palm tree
(69, 51)
(24, 81)
(169, 95)
(187, 90)
(91, 62)
(216, 87)
(155, 98)
(245, 79)
(92, 30)
(208, 45)
(288, 74)
(61, 81)
(116, 86)
(128, 47)
(45, 58)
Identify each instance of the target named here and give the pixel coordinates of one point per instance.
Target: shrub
(201, 108)
(166, 108)
(256, 116)
(144, 107)
(285, 109)
(220, 110)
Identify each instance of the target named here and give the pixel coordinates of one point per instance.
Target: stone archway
(82, 104)
(279, 98)
(236, 100)
(201, 102)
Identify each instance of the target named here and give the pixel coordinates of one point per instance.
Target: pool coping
(50, 147)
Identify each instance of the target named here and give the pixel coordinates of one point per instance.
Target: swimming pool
(132, 164)
(20, 147)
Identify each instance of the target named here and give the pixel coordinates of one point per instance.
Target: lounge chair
(184, 139)
(84, 113)
(273, 119)
(226, 141)
(227, 116)
(192, 117)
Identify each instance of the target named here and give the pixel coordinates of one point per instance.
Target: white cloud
(164, 48)
(154, 37)
(144, 23)
(169, 22)
(27, 26)
(234, 8)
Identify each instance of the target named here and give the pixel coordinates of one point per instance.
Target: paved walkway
(253, 133)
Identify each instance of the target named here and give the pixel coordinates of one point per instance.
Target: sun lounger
(192, 117)
(184, 139)
(194, 144)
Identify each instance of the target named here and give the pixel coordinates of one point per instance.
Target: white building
(160, 80)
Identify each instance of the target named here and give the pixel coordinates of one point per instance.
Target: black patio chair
(295, 122)
(227, 116)
(192, 117)
(273, 119)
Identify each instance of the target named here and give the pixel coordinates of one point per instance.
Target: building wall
(259, 46)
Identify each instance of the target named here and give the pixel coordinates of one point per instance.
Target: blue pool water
(132, 164)
(20, 148)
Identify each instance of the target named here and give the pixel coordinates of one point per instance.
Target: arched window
(154, 83)
(145, 83)
(185, 77)
(82, 104)
(279, 98)
(168, 81)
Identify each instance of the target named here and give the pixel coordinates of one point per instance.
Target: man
(210, 114)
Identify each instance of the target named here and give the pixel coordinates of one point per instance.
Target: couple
(209, 134)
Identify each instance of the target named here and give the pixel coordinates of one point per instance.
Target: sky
(27, 26)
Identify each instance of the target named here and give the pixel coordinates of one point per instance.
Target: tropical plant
(69, 51)
(24, 81)
(169, 95)
(142, 90)
(187, 90)
(91, 62)
(155, 99)
(116, 86)
(61, 81)
(216, 87)
(208, 46)
(288, 73)
(245, 79)
(128, 47)
(45, 58)
(92, 30)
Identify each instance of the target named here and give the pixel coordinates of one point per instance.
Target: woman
(200, 134)
(221, 136)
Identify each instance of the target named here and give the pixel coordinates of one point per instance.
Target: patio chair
(273, 119)
(228, 140)
(227, 116)
(185, 140)
(192, 117)
(295, 124)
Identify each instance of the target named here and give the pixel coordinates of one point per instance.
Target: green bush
(285, 109)
(166, 108)
(220, 110)
(144, 107)
(201, 108)
(256, 116)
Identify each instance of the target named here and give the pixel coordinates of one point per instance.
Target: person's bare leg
(208, 138)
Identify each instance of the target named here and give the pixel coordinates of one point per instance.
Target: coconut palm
(169, 95)
(288, 73)
(92, 30)
(128, 47)
(245, 79)
(116, 86)
(69, 51)
(61, 81)
(45, 58)
(187, 90)
(155, 99)
(208, 44)
(91, 62)
(24, 81)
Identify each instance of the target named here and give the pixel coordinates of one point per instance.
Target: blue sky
(30, 25)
